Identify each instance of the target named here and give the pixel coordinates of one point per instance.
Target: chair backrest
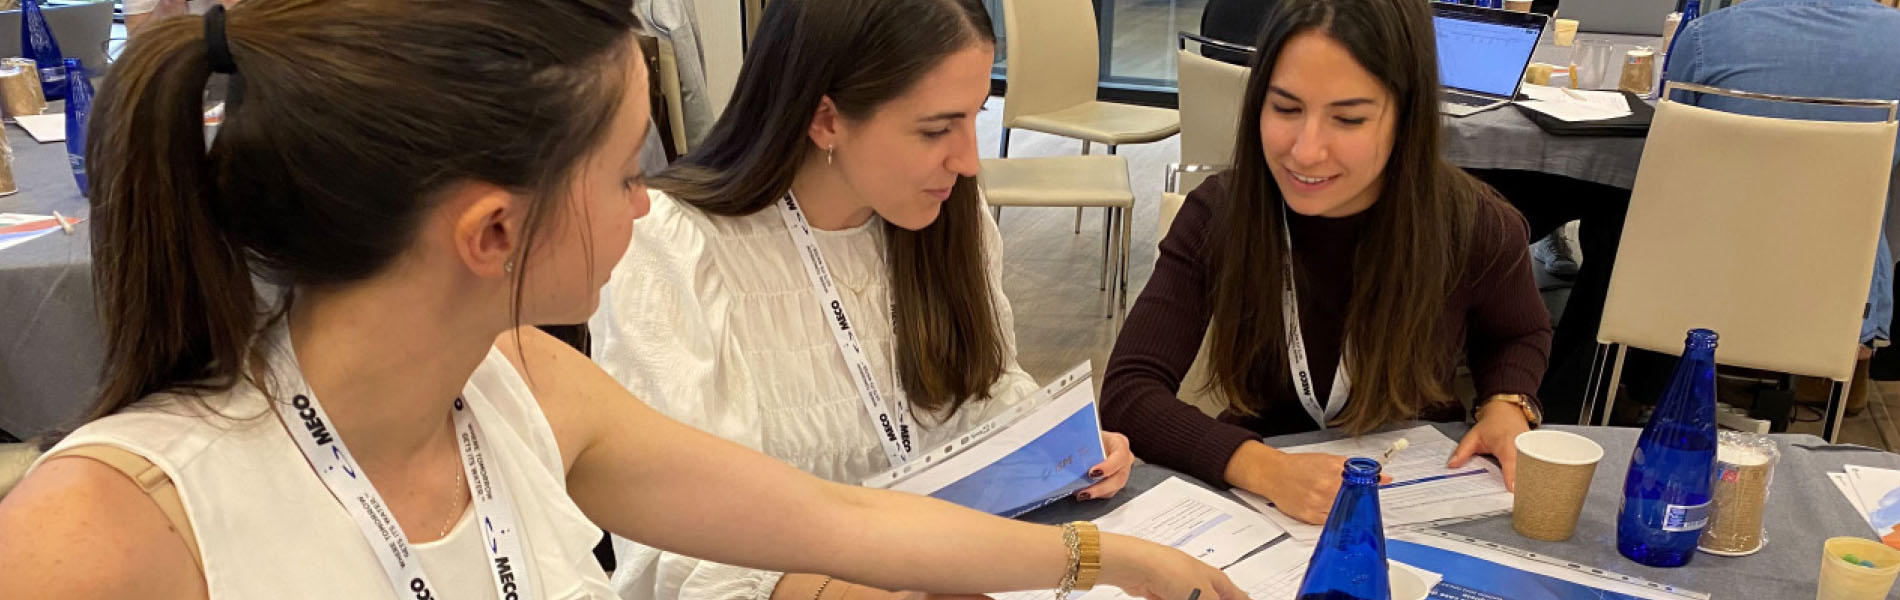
(1211, 96)
(1194, 390)
(80, 29)
(14, 459)
(1052, 55)
(1770, 242)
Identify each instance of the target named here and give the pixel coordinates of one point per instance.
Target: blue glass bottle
(1349, 563)
(36, 42)
(1689, 13)
(78, 115)
(1666, 493)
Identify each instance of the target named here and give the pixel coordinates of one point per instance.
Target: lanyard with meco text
(1296, 345)
(501, 530)
(891, 417)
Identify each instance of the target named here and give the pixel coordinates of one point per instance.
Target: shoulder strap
(150, 478)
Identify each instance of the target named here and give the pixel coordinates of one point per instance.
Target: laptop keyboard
(1464, 100)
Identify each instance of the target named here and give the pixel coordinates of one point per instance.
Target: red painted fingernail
(1096, 473)
(1082, 496)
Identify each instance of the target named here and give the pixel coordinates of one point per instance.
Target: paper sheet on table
(16, 229)
(1185, 517)
(1477, 571)
(45, 129)
(1194, 520)
(1575, 105)
(1276, 573)
(1025, 458)
(1423, 490)
(1878, 491)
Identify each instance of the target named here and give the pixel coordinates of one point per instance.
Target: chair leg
(1107, 224)
(1109, 261)
(997, 212)
(1085, 147)
(1600, 391)
(1836, 411)
(1003, 150)
(1127, 236)
(1111, 149)
(1078, 221)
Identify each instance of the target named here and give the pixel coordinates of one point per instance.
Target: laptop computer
(1482, 54)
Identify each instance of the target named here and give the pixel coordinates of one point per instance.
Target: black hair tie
(217, 48)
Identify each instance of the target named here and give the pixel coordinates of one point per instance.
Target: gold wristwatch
(1531, 413)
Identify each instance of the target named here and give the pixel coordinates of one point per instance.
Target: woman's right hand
(1302, 485)
(1156, 572)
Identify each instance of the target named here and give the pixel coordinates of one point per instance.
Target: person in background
(140, 12)
(864, 112)
(417, 182)
(1812, 48)
(1400, 265)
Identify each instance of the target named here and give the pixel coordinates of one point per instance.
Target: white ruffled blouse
(711, 320)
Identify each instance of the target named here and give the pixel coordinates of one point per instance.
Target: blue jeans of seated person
(1814, 48)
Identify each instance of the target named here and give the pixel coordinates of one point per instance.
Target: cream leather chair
(1769, 243)
(1053, 58)
(1211, 94)
(14, 459)
(1070, 181)
(1194, 389)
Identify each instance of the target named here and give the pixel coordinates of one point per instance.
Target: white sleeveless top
(268, 528)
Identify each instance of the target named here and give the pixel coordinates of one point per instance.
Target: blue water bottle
(1349, 563)
(1689, 13)
(78, 114)
(1666, 493)
(36, 42)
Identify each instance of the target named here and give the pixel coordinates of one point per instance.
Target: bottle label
(1678, 517)
(50, 74)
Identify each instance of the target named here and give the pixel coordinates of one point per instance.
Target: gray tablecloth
(1503, 138)
(50, 344)
(1804, 509)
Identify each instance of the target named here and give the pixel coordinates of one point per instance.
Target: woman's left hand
(1496, 435)
(1112, 474)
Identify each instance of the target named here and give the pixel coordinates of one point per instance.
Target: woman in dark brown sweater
(1399, 262)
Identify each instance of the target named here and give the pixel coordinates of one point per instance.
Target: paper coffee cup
(1843, 581)
(1522, 6)
(1554, 469)
(1565, 31)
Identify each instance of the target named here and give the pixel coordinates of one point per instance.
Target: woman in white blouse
(849, 150)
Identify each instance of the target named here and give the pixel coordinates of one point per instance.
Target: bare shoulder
(578, 398)
(76, 528)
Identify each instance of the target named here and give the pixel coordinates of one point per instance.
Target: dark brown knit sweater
(1495, 318)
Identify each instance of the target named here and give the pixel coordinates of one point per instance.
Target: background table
(1503, 138)
(50, 344)
(1804, 509)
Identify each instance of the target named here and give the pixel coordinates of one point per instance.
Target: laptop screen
(1482, 50)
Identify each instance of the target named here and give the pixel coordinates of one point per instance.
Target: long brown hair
(353, 115)
(861, 54)
(1410, 257)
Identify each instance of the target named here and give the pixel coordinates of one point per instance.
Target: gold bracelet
(1089, 567)
(1073, 540)
(821, 588)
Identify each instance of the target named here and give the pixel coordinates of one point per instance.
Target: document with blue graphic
(1024, 459)
(1475, 571)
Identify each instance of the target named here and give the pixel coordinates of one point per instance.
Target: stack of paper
(1276, 573)
(1185, 517)
(1575, 105)
(1422, 491)
(1875, 494)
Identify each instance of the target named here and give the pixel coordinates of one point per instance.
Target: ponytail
(174, 292)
